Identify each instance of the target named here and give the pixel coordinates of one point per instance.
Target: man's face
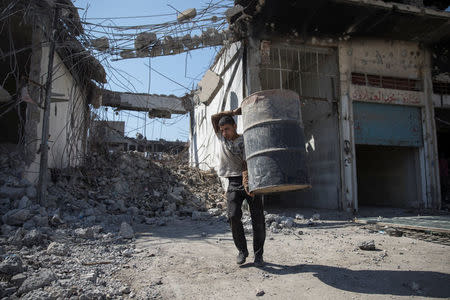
(228, 131)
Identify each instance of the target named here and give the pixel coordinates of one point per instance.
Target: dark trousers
(235, 196)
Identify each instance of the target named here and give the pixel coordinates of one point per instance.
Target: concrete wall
(68, 117)
(203, 141)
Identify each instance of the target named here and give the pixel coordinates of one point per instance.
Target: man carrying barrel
(232, 165)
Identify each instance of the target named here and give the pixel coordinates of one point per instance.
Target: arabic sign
(386, 96)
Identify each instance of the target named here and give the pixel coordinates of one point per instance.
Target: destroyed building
(373, 81)
(110, 136)
(24, 66)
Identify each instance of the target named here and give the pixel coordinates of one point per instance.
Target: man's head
(228, 127)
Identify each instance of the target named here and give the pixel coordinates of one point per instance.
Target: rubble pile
(70, 245)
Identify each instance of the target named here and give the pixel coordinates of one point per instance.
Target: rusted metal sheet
(384, 124)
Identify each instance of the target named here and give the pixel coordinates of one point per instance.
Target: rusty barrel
(274, 142)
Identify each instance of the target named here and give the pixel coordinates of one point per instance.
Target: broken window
(310, 71)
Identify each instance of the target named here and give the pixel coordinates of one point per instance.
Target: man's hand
(237, 112)
(245, 183)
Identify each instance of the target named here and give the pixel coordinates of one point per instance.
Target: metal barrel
(274, 142)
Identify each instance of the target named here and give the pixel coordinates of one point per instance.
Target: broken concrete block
(11, 265)
(100, 44)
(187, 15)
(43, 278)
(208, 87)
(24, 202)
(126, 231)
(58, 249)
(367, 245)
(16, 216)
(18, 279)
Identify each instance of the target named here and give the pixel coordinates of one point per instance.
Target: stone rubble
(70, 246)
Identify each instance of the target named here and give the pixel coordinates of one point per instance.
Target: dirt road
(196, 260)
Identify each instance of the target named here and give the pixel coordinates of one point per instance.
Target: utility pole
(43, 167)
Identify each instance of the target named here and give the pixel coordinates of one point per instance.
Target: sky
(134, 75)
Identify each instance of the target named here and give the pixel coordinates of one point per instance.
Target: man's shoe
(259, 261)
(240, 259)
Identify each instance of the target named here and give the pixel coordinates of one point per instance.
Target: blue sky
(185, 69)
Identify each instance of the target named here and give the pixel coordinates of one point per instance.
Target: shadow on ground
(384, 282)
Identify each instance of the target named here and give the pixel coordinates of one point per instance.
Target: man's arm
(216, 117)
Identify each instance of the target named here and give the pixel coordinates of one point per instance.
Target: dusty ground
(196, 260)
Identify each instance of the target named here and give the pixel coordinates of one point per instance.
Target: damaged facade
(372, 83)
(110, 136)
(24, 66)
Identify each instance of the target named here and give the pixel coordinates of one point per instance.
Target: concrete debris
(234, 12)
(73, 243)
(394, 232)
(367, 245)
(126, 231)
(58, 249)
(187, 14)
(142, 43)
(127, 54)
(11, 265)
(43, 278)
(100, 44)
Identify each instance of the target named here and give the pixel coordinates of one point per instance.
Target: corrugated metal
(390, 125)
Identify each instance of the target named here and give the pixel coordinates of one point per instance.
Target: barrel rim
(268, 189)
(287, 91)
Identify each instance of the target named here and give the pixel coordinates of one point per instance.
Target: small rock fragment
(367, 245)
(11, 265)
(126, 231)
(260, 293)
(41, 279)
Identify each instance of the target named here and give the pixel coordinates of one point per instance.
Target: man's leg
(258, 224)
(234, 204)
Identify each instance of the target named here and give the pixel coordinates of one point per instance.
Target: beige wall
(67, 118)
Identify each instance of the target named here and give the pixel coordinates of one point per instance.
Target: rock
(125, 290)
(16, 216)
(287, 222)
(59, 249)
(214, 212)
(7, 229)
(299, 217)
(41, 221)
(31, 192)
(198, 215)
(126, 231)
(260, 293)
(56, 220)
(11, 265)
(316, 217)
(24, 202)
(5, 290)
(33, 238)
(367, 245)
(128, 252)
(84, 233)
(12, 192)
(394, 232)
(18, 279)
(91, 276)
(310, 222)
(36, 281)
